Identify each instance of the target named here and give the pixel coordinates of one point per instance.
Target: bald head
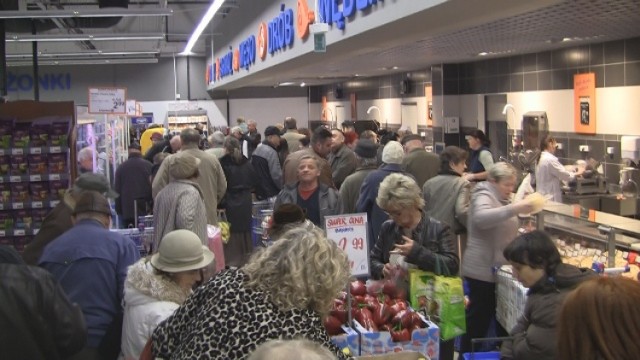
(175, 143)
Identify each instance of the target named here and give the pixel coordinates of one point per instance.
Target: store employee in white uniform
(550, 172)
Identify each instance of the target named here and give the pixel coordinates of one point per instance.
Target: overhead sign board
(108, 101)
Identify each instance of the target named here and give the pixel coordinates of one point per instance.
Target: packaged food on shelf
(20, 192)
(22, 219)
(5, 165)
(39, 134)
(37, 164)
(19, 242)
(21, 135)
(19, 165)
(58, 163)
(57, 188)
(39, 191)
(6, 128)
(5, 193)
(6, 220)
(59, 134)
(38, 216)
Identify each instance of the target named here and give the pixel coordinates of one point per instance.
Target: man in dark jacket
(252, 137)
(366, 159)
(36, 318)
(133, 185)
(267, 165)
(58, 220)
(341, 158)
(320, 147)
(417, 161)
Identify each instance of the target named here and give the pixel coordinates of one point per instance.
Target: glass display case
(589, 238)
(107, 135)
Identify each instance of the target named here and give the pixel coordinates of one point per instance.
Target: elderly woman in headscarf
(180, 205)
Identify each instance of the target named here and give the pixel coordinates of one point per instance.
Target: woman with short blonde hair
(284, 291)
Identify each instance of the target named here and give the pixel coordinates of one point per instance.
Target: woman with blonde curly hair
(283, 292)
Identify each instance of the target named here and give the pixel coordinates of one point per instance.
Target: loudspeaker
(405, 87)
(339, 93)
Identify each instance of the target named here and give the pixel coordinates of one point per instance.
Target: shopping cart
(489, 355)
(143, 238)
(261, 213)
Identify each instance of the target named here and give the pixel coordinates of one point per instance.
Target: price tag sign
(2, 233)
(54, 203)
(350, 233)
(1, 152)
(55, 149)
(36, 204)
(54, 176)
(35, 150)
(18, 205)
(18, 232)
(15, 178)
(35, 178)
(17, 151)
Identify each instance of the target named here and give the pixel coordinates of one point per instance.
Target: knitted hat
(95, 182)
(92, 201)
(366, 148)
(181, 250)
(392, 153)
(182, 165)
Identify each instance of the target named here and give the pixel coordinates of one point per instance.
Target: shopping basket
(488, 355)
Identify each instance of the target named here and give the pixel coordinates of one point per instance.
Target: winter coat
(292, 137)
(293, 160)
(133, 186)
(367, 200)
(37, 319)
(535, 332)
(266, 164)
(328, 199)
(225, 319)
(343, 163)
(421, 164)
(180, 205)
(350, 189)
(492, 224)
(241, 180)
(434, 247)
(56, 223)
(149, 299)
(212, 182)
(446, 198)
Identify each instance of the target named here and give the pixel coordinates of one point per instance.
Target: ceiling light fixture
(63, 14)
(82, 37)
(206, 19)
(303, 84)
(484, 53)
(286, 83)
(85, 62)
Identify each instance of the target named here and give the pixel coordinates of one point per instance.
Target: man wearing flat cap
(58, 220)
(417, 161)
(367, 159)
(90, 263)
(266, 163)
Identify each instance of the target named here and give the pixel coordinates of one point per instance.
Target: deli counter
(586, 236)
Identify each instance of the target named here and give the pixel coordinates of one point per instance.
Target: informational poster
(350, 233)
(584, 99)
(131, 107)
(108, 101)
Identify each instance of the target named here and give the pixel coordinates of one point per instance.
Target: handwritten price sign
(350, 233)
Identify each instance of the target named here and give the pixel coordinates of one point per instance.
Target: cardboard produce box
(405, 355)
(425, 341)
(350, 339)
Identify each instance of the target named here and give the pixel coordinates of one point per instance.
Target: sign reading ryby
(350, 233)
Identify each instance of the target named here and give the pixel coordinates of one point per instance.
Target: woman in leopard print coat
(282, 293)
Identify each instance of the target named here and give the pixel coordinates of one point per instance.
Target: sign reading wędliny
(350, 233)
(108, 100)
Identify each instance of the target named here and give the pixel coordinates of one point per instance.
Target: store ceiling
(455, 31)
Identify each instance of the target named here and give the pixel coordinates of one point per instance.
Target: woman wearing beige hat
(180, 205)
(157, 286)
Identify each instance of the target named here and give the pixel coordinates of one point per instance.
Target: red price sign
(349, 232)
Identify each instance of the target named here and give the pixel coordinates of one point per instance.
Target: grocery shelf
(34, 150)
(18, 232)
(33, 178)
(18, 205)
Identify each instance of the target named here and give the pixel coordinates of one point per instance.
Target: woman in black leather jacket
(424, 242)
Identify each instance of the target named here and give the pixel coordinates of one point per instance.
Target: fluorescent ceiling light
(61, 14)
(85, 62)
(82, 54)
(206, 19)
(82, 37)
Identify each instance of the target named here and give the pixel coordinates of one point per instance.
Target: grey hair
(500, 171)
(85, 154)
(292, 350)
(190, 137)
(398, 190)
(251, 122)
